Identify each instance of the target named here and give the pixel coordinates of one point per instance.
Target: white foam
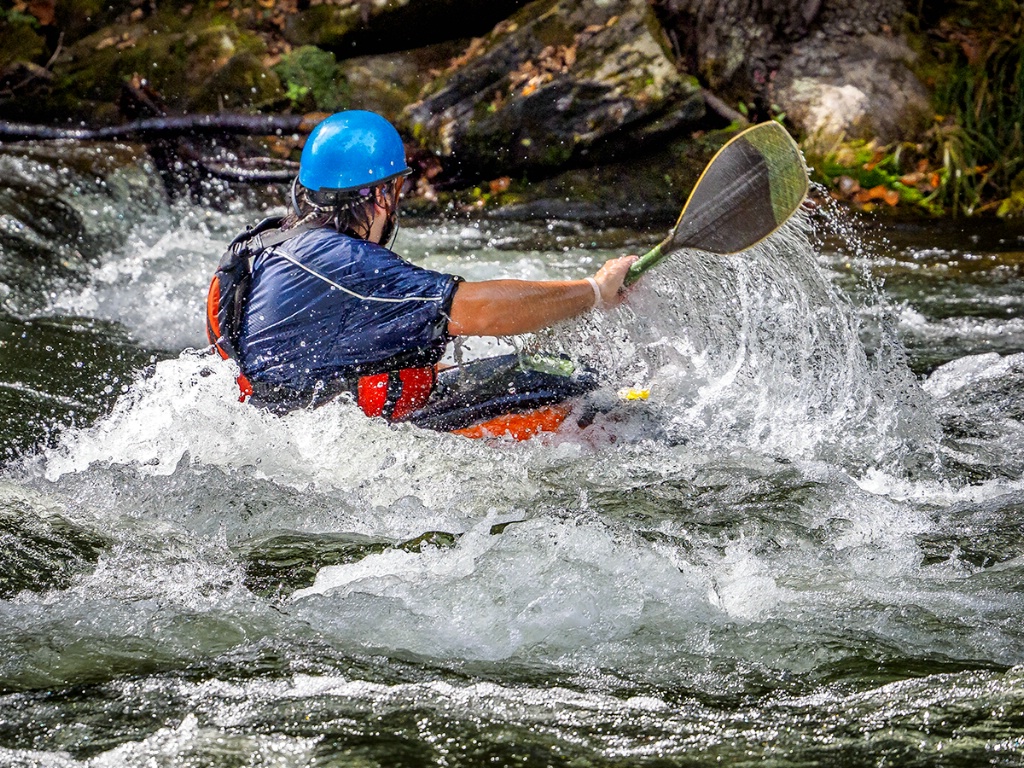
(187, 410)
(955, 375)
(156, 285)
(538, 587)
(191, 743)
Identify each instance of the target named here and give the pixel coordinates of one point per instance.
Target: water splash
(762, 350)
(155, 283)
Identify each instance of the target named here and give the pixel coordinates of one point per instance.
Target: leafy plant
(868, 175)
(982, 96)
(312, 79)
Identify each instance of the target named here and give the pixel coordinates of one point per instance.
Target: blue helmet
(351, 150)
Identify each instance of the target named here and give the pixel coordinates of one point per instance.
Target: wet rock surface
(361, 27)
(552, 83)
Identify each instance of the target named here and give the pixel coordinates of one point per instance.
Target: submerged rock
(39, 548)
(61, 207)
(552, 83)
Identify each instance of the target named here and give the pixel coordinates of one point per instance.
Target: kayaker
(332, 309)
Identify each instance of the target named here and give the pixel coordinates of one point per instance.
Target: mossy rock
(195, 63)
(324, 25)
(352, 28)
(552, 85)
(242, 82)
(641, 191)
(386, 84)
(312, 79)
(20, 39)
(77, 18)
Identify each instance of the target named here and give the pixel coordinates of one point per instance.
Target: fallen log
(153, 128)
(249, 172)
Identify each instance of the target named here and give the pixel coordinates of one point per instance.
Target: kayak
(508, 396)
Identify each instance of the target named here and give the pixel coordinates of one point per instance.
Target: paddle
(749, 189)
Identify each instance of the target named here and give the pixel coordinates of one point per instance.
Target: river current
(801, 549)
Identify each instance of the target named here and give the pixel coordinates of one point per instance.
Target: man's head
(350, 175)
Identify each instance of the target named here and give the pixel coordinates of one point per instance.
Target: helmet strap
(295, 198)
(390, 206)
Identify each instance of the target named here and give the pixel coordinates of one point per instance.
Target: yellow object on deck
(634, 393)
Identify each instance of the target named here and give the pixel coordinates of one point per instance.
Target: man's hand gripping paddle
(749, 189)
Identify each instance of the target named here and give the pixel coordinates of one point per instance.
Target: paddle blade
(748, 190)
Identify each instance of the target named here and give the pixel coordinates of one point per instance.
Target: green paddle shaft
(645, 262)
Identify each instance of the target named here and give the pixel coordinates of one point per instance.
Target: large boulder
(735, 45)
(853, 87)
(387, 83)
(834, 68)
(554, 83)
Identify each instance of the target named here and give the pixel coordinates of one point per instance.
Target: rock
(61, 207)
(853, 87)
(733, 45)
(556, 82)
(77, 18)
(386, 84)
(834, 68)
(20, 40)
(643, 192)
(312, 80)
(824, 110)
(198, 63)
(365, 27)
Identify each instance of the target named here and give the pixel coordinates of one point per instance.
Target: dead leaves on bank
(553, 60)
(869, 175)
(44, 11)
(532, 74)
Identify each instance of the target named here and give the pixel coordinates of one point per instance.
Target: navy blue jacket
(340, 307)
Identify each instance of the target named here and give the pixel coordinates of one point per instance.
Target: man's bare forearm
(510, 307)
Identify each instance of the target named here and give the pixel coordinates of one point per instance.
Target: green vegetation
(980, 140)
(312, 80)
(71, 59)
(19, 38)
(971, 161)
(868, 175)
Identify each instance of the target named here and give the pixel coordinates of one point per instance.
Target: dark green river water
(804, 548)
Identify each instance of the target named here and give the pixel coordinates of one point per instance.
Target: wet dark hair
(350, 212)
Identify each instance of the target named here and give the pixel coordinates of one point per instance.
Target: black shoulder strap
(229, 292)
(271, 222)
(270, 239)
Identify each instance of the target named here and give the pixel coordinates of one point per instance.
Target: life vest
(392, 394)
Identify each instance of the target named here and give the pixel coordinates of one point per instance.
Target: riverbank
(544, 107)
